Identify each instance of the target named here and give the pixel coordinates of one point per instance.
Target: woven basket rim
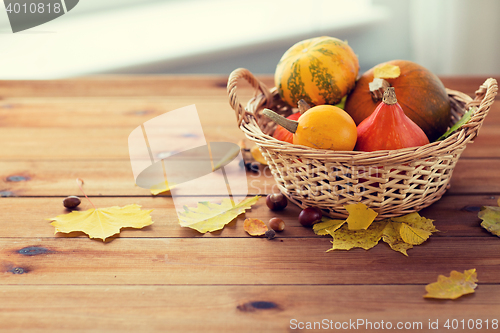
(247, 122)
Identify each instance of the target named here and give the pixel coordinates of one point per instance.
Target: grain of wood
(194, 85)
(105, 112)
(113, 86)
(467, 84)
(83, 143)
(455, 216)
(230, 308)
(214, 261)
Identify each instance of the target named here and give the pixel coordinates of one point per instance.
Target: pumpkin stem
(303, 106)
(390, 96)
(377, 88)
(289, 125)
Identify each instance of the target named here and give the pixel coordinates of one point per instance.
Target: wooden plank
(116, 86)
(126, 86)
(115, 178)
(214, 261)
(466, 84)
(455, 216)
(106, 112)
(230, 309)
(195, 85)
(472, 176)
(103, 112)
(293, 273)
(484, 145)
(83, 143)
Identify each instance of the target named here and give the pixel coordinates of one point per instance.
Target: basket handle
(485, 96)
(260, 88)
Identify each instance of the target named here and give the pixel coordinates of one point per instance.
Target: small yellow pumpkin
(319, 70)
(321, 127)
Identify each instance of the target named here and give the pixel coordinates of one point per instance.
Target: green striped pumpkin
(319, 70)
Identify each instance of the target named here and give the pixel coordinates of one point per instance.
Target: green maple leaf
(462, 121)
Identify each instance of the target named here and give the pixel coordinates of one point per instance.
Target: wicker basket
(392, 182)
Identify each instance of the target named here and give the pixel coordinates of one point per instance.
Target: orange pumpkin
(389, 128)
(421, 94)
(321, 127)
(319, 70)
(282, 134)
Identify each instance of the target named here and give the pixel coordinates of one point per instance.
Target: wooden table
(166, 278)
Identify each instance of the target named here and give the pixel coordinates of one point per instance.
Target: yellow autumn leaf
(454, 286)
(257, 155)
(210, 216)
(401, 233)
(158, 191)
(491, 219)
(161, 188)
(103, 222)
(345, 239)
(413, 236)
(391, 236)
(386, 71)
(254, 227)
(414, 220)
(360, 216)
(326, 226)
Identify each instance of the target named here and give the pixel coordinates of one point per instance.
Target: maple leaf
(413, 236)
(257, 155)
(327, 226)
(392, 236)
(464, 120)
(386, 71)
(345, 239)
(360, 216)
(103, 222)
(254, 227)
(209, 216)
(491, 218)
(401, 233)
(161, 188)
(416, 221)
(452, 287)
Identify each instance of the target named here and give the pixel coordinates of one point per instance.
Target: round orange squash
(326, 127)
(319, 70)
(281, 133)
(420, 93)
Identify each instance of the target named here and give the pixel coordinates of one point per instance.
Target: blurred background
(449, 37)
